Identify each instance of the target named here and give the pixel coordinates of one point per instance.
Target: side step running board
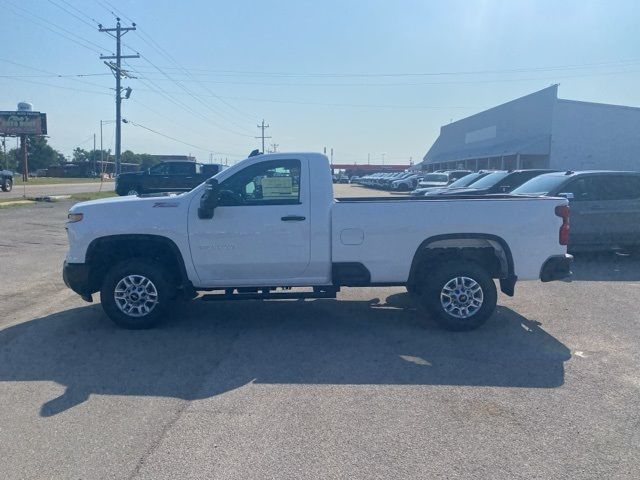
(223, 297)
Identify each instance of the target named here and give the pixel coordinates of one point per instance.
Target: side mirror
(567, 195)
(209, 199)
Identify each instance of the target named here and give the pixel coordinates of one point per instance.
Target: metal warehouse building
(541, 130)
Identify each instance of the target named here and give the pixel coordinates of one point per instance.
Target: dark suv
(179, 176)
(605, 206)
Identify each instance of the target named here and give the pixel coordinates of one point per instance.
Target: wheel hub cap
(461, 297)
(136, 295)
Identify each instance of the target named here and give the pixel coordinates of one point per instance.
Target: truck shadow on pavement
(211, 348)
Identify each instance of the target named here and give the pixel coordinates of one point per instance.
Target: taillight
(562, 211)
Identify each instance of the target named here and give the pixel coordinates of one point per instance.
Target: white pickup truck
(270, 223)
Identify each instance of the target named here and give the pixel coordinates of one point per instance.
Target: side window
(627, 187)
(160, 169)
(578, 188)
(181, 168)
(603, 188)
(276, 182)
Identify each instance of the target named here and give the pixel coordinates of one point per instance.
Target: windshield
(436, 177)
(467, 180)
(490, 180)
(540, 185)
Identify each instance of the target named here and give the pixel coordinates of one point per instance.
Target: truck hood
(131, 201)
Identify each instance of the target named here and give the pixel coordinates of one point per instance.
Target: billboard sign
(23, 123)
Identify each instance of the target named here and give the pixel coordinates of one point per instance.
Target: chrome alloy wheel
(132, 191)
(461, 297)
(136, 295)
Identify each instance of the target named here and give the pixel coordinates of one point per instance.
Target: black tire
(137, 319)
(7, 185)
(471, 315)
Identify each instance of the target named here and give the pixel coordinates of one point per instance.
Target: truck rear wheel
(461, 296)
(7, 185)
(136, 294)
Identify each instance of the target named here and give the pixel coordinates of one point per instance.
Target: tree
(80, 155)
(41, 155)
(147, 161)
(129, 157)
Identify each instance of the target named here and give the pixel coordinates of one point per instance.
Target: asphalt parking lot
(364, 387)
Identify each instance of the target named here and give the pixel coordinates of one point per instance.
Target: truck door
(260, 232)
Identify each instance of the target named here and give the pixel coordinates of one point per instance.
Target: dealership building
(541, 130)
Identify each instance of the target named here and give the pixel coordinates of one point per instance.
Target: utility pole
(4, 150)
(331, 156)
(118, 73)
(368, 159)
(25, 158)
(274, 147)
(262, 126)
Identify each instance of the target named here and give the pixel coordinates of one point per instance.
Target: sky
(371, 79)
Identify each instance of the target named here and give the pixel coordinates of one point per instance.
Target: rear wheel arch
(489, 251)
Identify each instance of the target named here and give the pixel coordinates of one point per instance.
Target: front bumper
(76, 277)
(556, 268)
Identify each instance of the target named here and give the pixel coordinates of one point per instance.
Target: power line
(188, 92)
(80, 11)
(414, 74)
(47, 72)
(42, 22)
(162, 51)
(54, 75)
(155, 45)
(61, 87)
(451, 82)
(180, 141)
(71, 13)
(350, 105)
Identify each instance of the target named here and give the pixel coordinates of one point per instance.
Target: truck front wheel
(136, 294)
(461, 296)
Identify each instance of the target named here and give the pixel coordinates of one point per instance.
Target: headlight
(74, 217)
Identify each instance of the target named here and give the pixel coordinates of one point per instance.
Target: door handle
(597, 207)
(293, 218)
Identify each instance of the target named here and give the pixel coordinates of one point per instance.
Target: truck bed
(384, 233)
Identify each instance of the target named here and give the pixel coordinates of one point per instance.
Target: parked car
(605, 206)
(463, 182)
(496, 182)
(386, 181)
(406, 183)
(6, 180)
(270, 222)
(442, 179)
(178, 176)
